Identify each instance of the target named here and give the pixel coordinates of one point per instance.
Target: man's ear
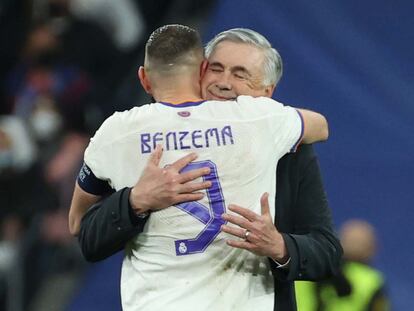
(269, 90)
(203, 68)
(143, 78)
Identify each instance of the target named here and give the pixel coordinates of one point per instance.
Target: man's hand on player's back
(159, 188)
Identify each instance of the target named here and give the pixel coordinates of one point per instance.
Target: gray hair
(273, 67)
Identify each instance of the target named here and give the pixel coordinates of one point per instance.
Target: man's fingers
(191, 187)
(184, 161)
(193, 174)
(155, 156)
(237, 232)
(246, 213)
(237, 220)
(264, 203)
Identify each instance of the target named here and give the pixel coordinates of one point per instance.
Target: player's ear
(143, 78)
(203, 68)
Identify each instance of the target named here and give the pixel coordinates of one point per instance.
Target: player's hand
(262, 238)
(158, 188)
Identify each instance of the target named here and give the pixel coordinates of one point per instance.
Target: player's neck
(178, 100)
(176, 94)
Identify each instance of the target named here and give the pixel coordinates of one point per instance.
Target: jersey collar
(184, 104)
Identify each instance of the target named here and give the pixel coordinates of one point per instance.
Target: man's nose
(223, 84)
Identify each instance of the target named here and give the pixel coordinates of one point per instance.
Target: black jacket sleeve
(304, 218)
(108, 226)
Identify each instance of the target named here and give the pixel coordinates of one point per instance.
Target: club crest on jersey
(184, 113)
(182, 248)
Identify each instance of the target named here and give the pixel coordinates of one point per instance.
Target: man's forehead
(236, 54)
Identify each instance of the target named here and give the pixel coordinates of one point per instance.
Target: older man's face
(234, 69)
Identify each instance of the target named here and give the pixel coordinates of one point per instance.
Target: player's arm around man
(157, 188)
(111, 222)
(315, 126)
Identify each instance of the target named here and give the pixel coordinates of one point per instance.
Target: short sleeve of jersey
(96, 158)
(293, 128)
(284, 123)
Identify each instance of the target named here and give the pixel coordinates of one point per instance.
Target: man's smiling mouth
(222, 97)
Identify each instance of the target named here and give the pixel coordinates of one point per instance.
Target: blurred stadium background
(66, 65)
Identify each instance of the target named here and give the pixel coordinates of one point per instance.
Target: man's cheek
(204, 93)
(208, 96)
(237, 90)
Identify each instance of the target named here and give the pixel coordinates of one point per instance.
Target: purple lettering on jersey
(183, 134)
(210, 216)
(181, 140)
(174, 137)
(156, 138)
(211, 132)
(145, 139)
(195, 135)
(226, 132)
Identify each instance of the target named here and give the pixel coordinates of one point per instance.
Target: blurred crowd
(65, 66)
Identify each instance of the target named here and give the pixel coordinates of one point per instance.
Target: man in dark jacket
(301, 236)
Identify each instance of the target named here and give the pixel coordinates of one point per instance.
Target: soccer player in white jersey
(180, 260)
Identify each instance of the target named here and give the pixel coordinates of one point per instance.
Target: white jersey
(181, 260)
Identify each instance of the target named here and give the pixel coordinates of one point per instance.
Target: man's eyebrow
(233, 69)
(216, 64)
(242, 69)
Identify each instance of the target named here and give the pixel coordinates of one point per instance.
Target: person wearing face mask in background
(51, 95)
(45, 121)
